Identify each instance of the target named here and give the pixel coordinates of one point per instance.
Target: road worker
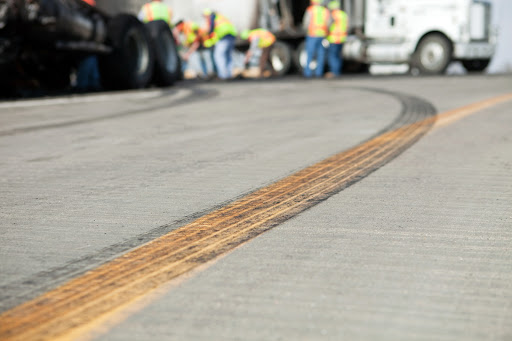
(190, 37)
(155, 10)
(221, 34)
(337, 37)
(260, 39)
(316, 22)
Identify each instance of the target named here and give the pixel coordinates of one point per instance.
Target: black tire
(130, 65)
(281, 58)
(433, 55)
(476, 65)
(167, 61)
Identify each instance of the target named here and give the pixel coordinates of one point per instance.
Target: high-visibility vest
(266, 38)
(191, 32)
(156, 11)
(338, 29)
(319, 19)
(221, 28)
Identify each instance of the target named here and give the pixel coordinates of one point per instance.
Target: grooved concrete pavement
(419, 250)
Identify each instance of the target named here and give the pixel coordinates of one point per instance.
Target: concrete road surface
(420, 248)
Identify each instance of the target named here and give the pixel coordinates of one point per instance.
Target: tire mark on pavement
(195, 94)
(83, 300)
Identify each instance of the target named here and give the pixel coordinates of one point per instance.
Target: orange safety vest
(266, 37)
(338, 30)
(319, 19)
(190, 30)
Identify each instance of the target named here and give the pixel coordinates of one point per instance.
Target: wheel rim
(138, 45)
(433, 56)
(278, 58)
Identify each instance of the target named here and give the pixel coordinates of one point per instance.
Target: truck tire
(281, 57)
(476, 65)
(130, 65)
(433, 55)
(167, 61)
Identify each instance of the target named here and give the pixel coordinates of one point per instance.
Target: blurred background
(502, 19)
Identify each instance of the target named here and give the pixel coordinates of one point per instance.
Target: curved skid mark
(113, 285)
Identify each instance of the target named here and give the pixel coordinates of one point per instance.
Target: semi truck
(43, 41)
(426, 34)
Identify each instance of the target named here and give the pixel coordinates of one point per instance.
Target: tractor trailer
(426, 34)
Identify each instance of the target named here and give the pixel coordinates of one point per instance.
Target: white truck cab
(427, 34)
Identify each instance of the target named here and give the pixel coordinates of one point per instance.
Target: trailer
(426, 34)
(43, 41)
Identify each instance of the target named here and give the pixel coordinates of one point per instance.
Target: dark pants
(335, 58)
(88, 74)
(265, 60)
(315, 49)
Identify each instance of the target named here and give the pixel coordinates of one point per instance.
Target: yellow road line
(82, 302)
(457, 114)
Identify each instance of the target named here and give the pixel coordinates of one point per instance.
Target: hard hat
(245, 34)
(207, 12)
(334, 5)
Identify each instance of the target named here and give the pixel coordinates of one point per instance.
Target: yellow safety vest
(222, 27)
(338, 30)
(318, 22)
(156, 11)
(266, 38)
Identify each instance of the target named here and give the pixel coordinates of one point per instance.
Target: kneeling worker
(189, 35)
(260, 39)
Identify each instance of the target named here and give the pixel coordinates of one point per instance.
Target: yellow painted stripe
(457, 114)
(79, 304)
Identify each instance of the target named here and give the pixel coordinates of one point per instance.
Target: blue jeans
(88, 74)
(314, 48)
(201, 57)
(222, 54)
(335, 59)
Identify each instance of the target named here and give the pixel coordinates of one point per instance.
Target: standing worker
(316, 21)
(221, 35)
(155, 10)
(337, 36)
(260, 39)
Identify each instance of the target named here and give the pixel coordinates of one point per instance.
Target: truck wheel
(167, 62)
(476, 65)
(432, 55)
(281, 57)
(130, 65)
